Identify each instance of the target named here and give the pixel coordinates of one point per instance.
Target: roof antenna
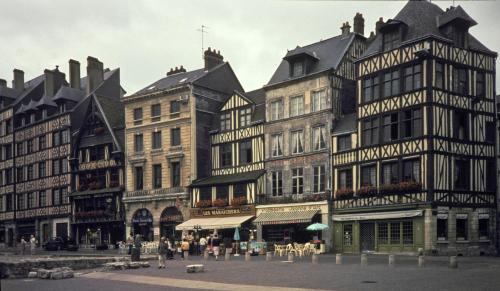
(203, 31)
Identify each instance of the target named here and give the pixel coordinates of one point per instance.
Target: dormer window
(44, 113)
(298, 69)
(245, 117)
(225, 121)
(391, 39)
(62, 107)
(32, 117)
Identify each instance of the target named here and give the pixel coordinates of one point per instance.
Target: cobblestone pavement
(477, 273)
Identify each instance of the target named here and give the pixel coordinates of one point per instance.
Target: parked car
(60, 243)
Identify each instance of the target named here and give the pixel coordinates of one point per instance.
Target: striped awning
(289, 217)
(213, 222)
(377, 215)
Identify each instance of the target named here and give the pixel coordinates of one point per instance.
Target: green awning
(289, 217)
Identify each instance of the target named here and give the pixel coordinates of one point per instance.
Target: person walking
(170, 250)
(216, 246)
(185, 249)
(203, 244)
(32, 245)
(162, 252)
(23, 245)
(130, 243)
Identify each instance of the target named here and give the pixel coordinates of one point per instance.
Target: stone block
(134, 265)
(198, 268)
(43, 274)
(56, 275)
(32, 274)
(145, 264)
(68, 274)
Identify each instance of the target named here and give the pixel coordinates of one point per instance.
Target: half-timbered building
(311, 88)
(414, 168)
(167, 143)
(237, 175)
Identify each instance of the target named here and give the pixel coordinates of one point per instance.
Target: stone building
(415, 167)
(311, 88)
(167, 143)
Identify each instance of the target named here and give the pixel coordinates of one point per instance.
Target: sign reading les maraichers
(225, 211)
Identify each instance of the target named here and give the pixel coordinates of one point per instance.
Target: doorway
(367, 236)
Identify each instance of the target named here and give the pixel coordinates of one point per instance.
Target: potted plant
(344, 193)
(367, 191)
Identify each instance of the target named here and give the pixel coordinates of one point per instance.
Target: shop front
(169, 218)
(287, 223)
(142, 224)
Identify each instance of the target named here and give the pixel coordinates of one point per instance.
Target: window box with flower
(367, 191)
(204, 204)
(220, 203)
(238, 201)
(344, 193)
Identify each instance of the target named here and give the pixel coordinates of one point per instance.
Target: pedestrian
(32, 244)
(170, 249)
(203, 244)
(130, 243)
(184, 249)
(216, 246)
(135, 255)
(162, 252)
(23, 245)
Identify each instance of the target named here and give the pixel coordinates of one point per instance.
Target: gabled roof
(423, 19)
(328, 54)
(455, 13)
(68, 93)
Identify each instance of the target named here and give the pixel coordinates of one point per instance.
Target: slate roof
(422, 19)
(9, 92)
(68, 93)
(346, 124)
(228, 179)
(328, 54)
(114, 112)
(259, 98)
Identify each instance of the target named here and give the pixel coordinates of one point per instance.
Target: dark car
(60, 243)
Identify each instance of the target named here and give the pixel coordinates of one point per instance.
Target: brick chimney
(176, 71)
(74, 74)
(346, 28)
(54, 79)
(95, 74)
(379, 24)
(3, 83)
(18, 82)
(212, 58)
(359, 24)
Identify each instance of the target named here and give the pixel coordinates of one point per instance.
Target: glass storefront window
(408, 232)
(383, 233)
(395, 233)
(347, 234)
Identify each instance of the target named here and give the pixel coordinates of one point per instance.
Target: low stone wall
(20, 268)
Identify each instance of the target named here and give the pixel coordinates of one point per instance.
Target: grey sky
(146, 38)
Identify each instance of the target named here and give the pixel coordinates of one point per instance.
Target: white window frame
(297, 142)
(320, 96)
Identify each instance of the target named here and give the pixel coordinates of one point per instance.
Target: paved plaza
(474, 273)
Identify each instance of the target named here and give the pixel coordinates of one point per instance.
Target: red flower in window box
(344, 193)
(367, 191)
(239, 201)
(204, 203)
(220, 203)
(410, 186)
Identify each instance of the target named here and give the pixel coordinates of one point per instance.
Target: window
(226, 152)
(480, 84)
(8, 151)
(30, 172)
(413, 78)
(20, 174)
(391, 83)
(156, 140)
(296, 106)
(343, 142)
(42, 143)
(442, 227)
(9, 176)
(225, 121)
(64, 195)
(56, 167)
(462, 174)
(411, 171)
(490, 131)
(176, 174)
(439, 76)
(460, 81)
(297, 141)
(484, 226)
(42, 198)
(56, 138)
(390, 127)
(20, 148)
(276, 143)
(65, 136)
(407, 232)
(319, 179)
(318, 100)
(491, 180)
(245, 117)
(240, 190)
(157, 176)
(370, 131)
(137, 116)
(276, 110)
(347, 234)
(460, 125)
(383, 233)
(390, 173)
(138, 143)
(30, 146)
(298, 69)
(21, 201)
(319, 138)
(368, 176)
(56, 197)
(175, 137)
(155, 112)
(277, 183)
(31, 200)
(175, 107)
(391, 39)
(64, 166)
(395, 233)
(222, 192)
(371, 89)
(245, 152)
(462, 227)
(412, 123)
(206, 194)
(9, 204)
(138, 178)
(297, 181)
(345, 179)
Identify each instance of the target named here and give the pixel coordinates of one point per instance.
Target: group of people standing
(31, 244)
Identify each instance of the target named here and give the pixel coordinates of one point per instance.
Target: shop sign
(171, 218)
(224, 211)
(97, 164)
(290, 208)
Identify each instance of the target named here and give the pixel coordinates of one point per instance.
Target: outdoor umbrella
(236, 237)
(317, 227)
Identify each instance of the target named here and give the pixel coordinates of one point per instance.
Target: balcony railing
(161, 191)
(293, 198)
(371, 191)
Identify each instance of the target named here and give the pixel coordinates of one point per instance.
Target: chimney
(54, 79)
(95, 74)
(212, 59)
(74, 74)
(3, 83)
(346, 28)
(18, 82)
(379, 24)
(176, 71)
(359, 24)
